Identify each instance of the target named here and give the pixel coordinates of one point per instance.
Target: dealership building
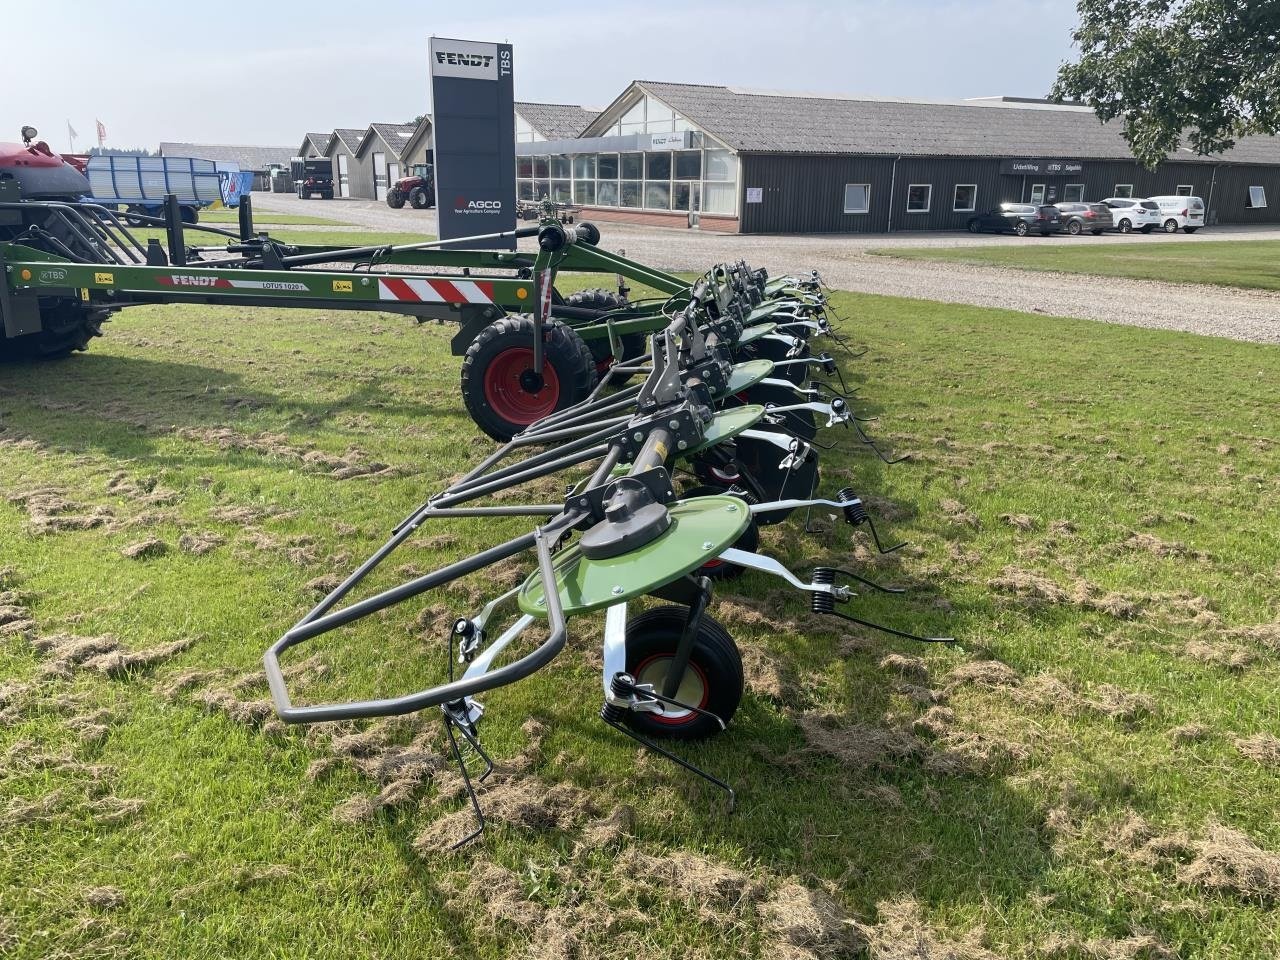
(768, 162)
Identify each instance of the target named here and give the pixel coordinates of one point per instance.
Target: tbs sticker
(53, 276)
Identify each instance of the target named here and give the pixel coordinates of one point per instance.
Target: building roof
(421, 133)
(556, 121)
(769, 122)
(394, 135)
(247, 156)
(318, 140)
(349, 136)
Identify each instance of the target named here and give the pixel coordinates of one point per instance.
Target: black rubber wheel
(1125, 226)
(633, 344)
(67, 327)
(973, 226)
(798, 422)
(588, 233)
(1171, 226)
(189, 214)
(395, 199)
(500, 389)
(1021, 229)
(133, 216)
(718, 569)
(1074, 228)
(1190, 229)
(762, 461)
(419, 199)
(713, 680)
(769, 348)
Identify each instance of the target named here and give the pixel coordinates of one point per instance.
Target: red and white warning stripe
(435, 291)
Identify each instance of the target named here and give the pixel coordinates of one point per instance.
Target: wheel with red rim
(633, 344)
(713, 680)
(749, 541)
(500, 387)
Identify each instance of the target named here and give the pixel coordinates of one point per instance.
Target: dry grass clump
(1138, 946)
(66, 653)
(764, 672)
(1263, 634)
(200, 542)
(145, 549)
(1150, 543)
(982, 673)
(860, 746)
(1225, 655)
(1020, 521)
(1189, 733)
(49, 511)
(353, 463)
(1037, 590)
(907, 667)
(957, 513)
(801, 923)
(901, 933)
(1261, 748)
(104, 898)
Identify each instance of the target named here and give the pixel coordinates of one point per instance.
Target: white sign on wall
(755, 194)
(666, 141)
(464, 58)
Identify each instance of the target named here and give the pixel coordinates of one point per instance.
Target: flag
(71, 131)
(102, 133)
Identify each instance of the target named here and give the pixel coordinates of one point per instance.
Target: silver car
(1079, 217)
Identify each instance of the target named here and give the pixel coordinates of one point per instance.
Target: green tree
(1204, 71)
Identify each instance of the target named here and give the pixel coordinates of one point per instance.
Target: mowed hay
(901, 933)
(1033, 589)
(802, 923)
(1227, 861)
(66, 653)
(1261, 748)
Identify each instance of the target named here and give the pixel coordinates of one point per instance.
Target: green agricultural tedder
(667, 479)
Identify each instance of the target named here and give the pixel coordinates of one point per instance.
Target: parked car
(1186, 213)
(1021, 218)
(1130, 213)
(1079, 217)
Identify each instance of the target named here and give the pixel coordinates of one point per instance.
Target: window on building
(720, 198)
(1037, 193)
(688, 165)
(584, 166)
(1257, 198)
(686, 196)
(1073, 193)
(541, 168)
(607, 166)
(632, 193)
(1185, 189)
(918, 197)
(607, 193)
(719, 165)
(632, 166)
(560, 167)
(658, 116)
(524, 168)
(584, 191)
(857, 197)
(633, 120)
(966, 198)
(657, 166)
(1123, 190)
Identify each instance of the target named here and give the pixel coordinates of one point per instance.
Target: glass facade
(679, 180)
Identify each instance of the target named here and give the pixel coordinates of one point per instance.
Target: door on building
(379, 176)
(344, 178)
(1037, 194)
(393, 173)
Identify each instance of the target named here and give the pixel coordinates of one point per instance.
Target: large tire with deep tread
(395, 199)
(714, 680)
(633, 344)
(419, 199)
(499, 388)
(67, 328)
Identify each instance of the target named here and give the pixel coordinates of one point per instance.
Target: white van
(1184, 212)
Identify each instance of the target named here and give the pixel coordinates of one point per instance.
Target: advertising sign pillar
(473, 126)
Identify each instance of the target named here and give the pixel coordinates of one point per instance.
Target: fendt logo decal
(222, 283)
(478, 60)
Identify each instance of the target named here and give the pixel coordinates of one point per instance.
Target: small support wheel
(713, 680)
(500, 388)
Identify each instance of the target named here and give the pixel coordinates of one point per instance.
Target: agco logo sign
(465, 206)
(478, 60)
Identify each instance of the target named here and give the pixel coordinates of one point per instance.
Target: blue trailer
(139, 184)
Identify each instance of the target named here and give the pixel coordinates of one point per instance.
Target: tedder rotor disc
(727, 424)
(755, 332)
(747, 374)
(701, 529)
(763, 312)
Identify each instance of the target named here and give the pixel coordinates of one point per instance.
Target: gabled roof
(556, 121)
(317, 141)
(770, 122)
(394, 135)
(421, 132)
(349, 136)
(247, 156)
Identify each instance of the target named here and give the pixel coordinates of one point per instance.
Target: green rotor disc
(756, 332)
(763, 312)
(727, 424)
(700, 529)
(744, 375)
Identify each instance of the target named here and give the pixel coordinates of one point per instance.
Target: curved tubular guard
(468, 685)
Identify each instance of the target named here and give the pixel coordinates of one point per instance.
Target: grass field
(1091, 773)
(1237, 263)
(300, 235)
(268, 216)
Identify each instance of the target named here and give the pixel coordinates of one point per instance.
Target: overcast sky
(267, 73)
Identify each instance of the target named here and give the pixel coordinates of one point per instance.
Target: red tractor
(419, 188)
(58, 323)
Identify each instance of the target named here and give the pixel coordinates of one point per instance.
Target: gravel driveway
(845, 264)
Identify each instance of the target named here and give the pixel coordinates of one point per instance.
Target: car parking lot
(846, 262)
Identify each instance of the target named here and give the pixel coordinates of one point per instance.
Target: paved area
(846, 264)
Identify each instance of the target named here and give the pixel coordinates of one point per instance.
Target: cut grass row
(235, 850)
(1249, 264)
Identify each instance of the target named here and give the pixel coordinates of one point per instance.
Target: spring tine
(883, 628)
(875, 535)
(871, 583)
(646, 742)
(662, 698)
(471, 790)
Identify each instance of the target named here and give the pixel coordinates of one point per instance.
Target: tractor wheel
(797, 422)
(418, 198)
(749, 541)
(67, 327)
(499, 387)
(395, 199)
(189, 215)
(633, 344)
(713, 680)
